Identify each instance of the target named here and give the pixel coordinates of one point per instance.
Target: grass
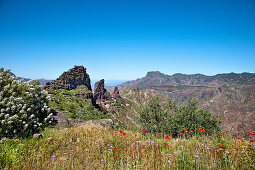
(92, 147)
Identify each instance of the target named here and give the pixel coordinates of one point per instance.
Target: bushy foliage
(23, 106)
(69, 102)
(169, 118)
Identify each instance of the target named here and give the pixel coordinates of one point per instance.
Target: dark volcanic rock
(71, 79)
(100, 93)
(116, 93)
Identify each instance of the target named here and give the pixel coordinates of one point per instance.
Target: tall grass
(93, 147)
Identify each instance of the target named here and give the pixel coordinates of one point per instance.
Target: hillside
(155, 78)
(234, 105)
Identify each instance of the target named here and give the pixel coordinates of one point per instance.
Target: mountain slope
(156, 78)
(234, 105)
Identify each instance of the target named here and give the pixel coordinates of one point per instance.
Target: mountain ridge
(42, 81)
(154, 78)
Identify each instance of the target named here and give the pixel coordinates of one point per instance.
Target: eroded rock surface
(71, 79)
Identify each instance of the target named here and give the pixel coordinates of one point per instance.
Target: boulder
(37, 136)
(103, 122)
(60, 119)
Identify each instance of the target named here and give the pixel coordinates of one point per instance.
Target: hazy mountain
(42, 81)
(155, 78)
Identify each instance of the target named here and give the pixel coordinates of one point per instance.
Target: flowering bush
(23, 106)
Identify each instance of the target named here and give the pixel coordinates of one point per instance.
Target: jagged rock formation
(71, 79)
(100, 93)
(116, 93)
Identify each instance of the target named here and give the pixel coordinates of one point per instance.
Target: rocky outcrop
(116, 93)
(100, 93)
(62, 121)
(71, 79)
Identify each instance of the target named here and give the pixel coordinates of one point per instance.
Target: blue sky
(124, 39)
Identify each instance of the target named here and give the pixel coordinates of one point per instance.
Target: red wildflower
(135, 135)
(124, 133)
(253, 134)
(200, 130)
(239, 138)
(169, 134)
(121, 131)
(250, 131)
(158, 133)
(180, 133)
(194, 131)
(223, 133)
(221, 147)
(165, 143)
(116, 148)
(227, 131)
(251, 140)
(167, 137)
(185, 130)
(145, 133)
(199, 127)
(164, 134)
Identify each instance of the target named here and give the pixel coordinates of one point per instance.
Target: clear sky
(124, 39)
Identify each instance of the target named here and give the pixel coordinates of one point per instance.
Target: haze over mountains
(156, 78)
(107, 82)
(42, 81)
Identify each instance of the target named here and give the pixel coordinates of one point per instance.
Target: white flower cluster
(23, 106)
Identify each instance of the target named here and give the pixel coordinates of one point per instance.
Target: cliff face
(71, 79)
(100, 93)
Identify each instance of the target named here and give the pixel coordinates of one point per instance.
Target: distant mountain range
(42, 81)
(156, 78)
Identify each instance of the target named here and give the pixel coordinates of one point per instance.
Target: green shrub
(23, 106)
(169, 118)
(69, 102)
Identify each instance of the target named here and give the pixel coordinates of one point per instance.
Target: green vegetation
(93, 147)
(167, 117)
(75, 103)
(23, 106)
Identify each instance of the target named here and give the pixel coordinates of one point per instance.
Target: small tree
(168, 118)
(23, 106)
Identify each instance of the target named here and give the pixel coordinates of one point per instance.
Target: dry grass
(92, 147)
